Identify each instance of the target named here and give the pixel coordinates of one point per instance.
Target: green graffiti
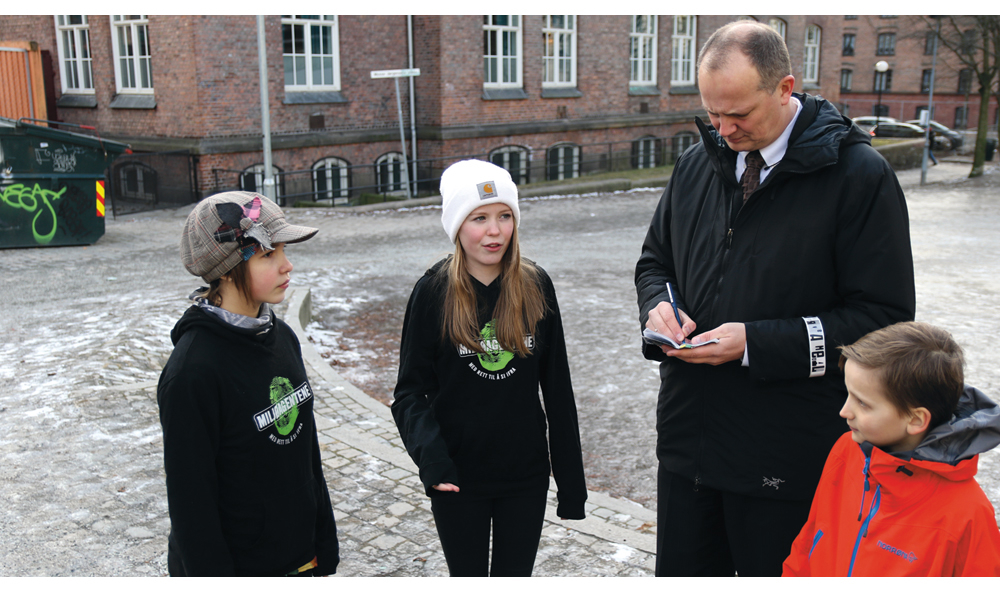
(494, 358)
(29, 200)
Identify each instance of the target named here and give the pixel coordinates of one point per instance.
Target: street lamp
(881, 67)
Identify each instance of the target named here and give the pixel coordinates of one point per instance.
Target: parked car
(953, 137)
(898, 129)
(867, 122)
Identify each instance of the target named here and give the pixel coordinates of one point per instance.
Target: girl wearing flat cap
(482, 334)
(245, 486)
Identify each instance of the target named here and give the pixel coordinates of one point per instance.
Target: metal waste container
(51, 185)
(991, 146)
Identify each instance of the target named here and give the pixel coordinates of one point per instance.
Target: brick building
(547, 97)
(906, 44)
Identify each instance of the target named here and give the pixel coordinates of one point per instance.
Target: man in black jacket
(817, 255)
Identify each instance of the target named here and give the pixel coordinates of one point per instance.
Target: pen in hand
(677, 314)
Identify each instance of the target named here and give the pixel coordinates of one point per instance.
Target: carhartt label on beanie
(487, 190)
(469, 184)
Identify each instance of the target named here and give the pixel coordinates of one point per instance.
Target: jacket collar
(814, 143)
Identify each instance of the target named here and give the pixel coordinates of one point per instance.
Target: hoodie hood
(974, 429)
(218, 320)
(815, 142)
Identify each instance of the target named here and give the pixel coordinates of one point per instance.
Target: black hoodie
(245, 485)
(475, 420)
(817, 257)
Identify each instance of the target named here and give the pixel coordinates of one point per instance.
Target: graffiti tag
(34, 199)
(63, 159)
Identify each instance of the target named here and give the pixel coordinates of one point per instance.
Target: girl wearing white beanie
(482, 334)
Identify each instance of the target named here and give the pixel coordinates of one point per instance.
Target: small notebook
(650, 336)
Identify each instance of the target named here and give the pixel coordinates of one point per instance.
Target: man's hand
(445, 487)
(661, 319)
(732, 343)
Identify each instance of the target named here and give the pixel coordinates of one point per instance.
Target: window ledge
(133, 102)
(82, 101)
(684, 90)
(810, 86)
(502, 94)
(643, 90)
(313, 96)
(565, 92)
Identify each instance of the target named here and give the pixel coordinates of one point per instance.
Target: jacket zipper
(872, 510)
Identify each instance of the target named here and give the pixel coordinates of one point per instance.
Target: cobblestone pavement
(85, 336)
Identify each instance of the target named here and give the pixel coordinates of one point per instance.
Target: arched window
(389, 174)
(646, 153)
(563, 162)
(515, 160)
(332, 180)
(252, 179)
(810, 58)
(681, 142)
(137, 181)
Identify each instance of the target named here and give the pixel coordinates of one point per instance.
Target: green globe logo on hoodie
(494, 358)
(280, 388)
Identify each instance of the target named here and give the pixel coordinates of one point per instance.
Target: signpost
(396, 75)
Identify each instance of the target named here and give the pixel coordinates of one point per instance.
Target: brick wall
(907, 65)
(207, 93)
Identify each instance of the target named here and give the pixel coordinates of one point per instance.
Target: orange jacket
(875, 514)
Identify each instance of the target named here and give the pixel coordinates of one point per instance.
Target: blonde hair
(520, 306)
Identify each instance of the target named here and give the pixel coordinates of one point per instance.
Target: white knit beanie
(468, 184)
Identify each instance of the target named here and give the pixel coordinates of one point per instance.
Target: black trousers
(463, 523)
(707, 532)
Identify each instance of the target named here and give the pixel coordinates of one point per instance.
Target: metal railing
(370, 183)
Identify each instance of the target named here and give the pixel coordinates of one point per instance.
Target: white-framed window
(558, 50)
(563, 162)
(642, 50)
(846, 79)
(130, 46)
(502, 64)
(252, 179)
(645, 153)
(515, 160)
(779, 25)
(311, 52)
(332, 180)
(682, 59)
(389, 174)
(886, 44)
(73, 42)
(681, 142)
(810, 58)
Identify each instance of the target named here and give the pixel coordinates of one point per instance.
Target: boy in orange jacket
(897, 496)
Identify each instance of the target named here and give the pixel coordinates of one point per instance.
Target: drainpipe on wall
(413, 117)
(265, 112)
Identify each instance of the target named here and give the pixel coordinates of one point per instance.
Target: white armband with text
(817, 346)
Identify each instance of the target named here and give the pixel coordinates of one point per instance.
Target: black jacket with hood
(817, 257)
(245, 485)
